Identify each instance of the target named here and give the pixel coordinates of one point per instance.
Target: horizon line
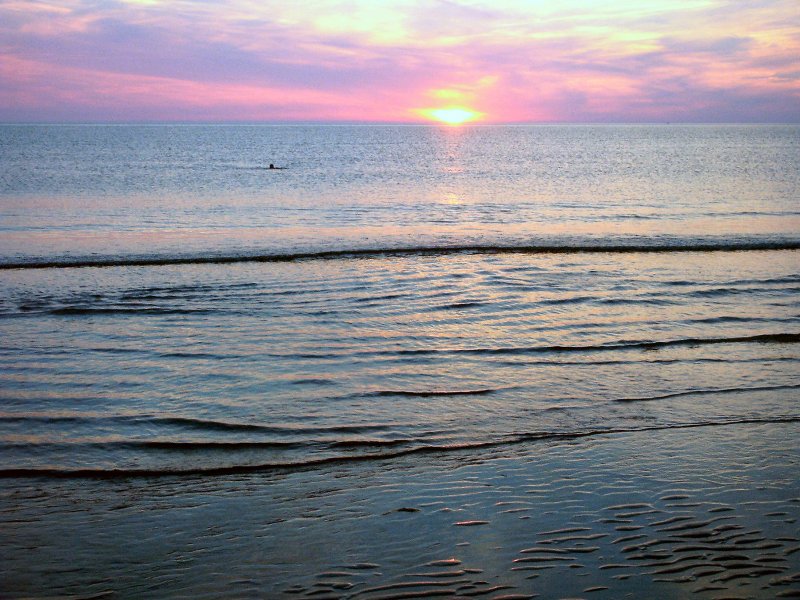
(333, 122)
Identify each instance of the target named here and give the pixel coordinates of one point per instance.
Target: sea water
(117, 192)
(171, 307)
(496, 292)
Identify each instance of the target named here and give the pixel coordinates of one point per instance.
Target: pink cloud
(125, 61)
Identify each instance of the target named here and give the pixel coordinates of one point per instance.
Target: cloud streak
(354, 60)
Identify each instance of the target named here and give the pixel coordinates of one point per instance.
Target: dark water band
(409, 251)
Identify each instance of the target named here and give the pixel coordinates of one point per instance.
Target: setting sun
(452, 115)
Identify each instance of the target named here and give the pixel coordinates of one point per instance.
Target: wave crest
(688, 246)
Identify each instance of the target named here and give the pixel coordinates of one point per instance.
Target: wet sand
(705, 512)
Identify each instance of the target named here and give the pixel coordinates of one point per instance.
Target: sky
(493, 61)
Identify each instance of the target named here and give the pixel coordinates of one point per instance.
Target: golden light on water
(451, 115)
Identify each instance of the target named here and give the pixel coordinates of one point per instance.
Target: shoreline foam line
(513, 439)
(401, 251)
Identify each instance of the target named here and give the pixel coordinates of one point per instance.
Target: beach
(705, 512)
(492, 362)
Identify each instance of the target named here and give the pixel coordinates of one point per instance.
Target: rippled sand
(707, 512)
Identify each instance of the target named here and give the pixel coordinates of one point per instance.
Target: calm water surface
(255, 352)
(170, 368)
(73, 192)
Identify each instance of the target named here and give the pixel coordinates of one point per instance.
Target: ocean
(175, 313)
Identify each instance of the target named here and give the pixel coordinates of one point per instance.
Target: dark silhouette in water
(274, 168)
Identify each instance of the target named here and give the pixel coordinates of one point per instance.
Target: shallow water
(495, 323)
(706, 512)
(173, 313)
(207, 367)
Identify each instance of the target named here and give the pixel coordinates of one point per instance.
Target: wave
(763, 388)
(621, 345)
(162, 445)
(649, 361)
(368, 443)
(792, 278)
(689, 246)
(205, 425)
(430, 394)
(208, 425)
(126, 310)
(735, 319)
(729, 291)
(775, 338)
(206, 445)
(512, 439)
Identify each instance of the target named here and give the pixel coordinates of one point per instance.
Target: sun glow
(452, 115)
